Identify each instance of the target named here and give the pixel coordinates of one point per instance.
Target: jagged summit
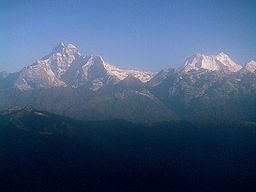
(65, 66)
(249, 67)
(93, 89)
(219, 62)
(47, 71)
(58, 48)
(97, 73)
(65, 49)
(160, 77)
(222, 54)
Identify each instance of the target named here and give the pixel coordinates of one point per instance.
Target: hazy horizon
(138, 35)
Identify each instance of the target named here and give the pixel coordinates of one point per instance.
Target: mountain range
(206, 88)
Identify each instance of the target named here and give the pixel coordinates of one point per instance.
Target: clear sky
(140, 34)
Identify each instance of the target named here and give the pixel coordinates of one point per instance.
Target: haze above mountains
(88, 88)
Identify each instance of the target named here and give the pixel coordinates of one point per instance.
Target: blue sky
(141, 34)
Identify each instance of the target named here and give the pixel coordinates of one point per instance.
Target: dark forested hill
(46, 152)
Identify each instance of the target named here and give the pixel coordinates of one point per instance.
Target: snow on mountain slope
(121, 73)
(160, 77)
(249, 67)
(65, 66)
(61, 58)
(94, 72)
(219, 62)
(47, 71)
(88, 71)
(38, 75)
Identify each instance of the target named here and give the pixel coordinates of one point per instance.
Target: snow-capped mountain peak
(94, 72)
(222, 54)
(94, 67)
(59, 48)
(219, 62)
(114, 71)
(250, 67)
(47, 71)
(65, 66)
(160, 77)
(228, 63)
(122, 73)
(68, 49)
(62, 57)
